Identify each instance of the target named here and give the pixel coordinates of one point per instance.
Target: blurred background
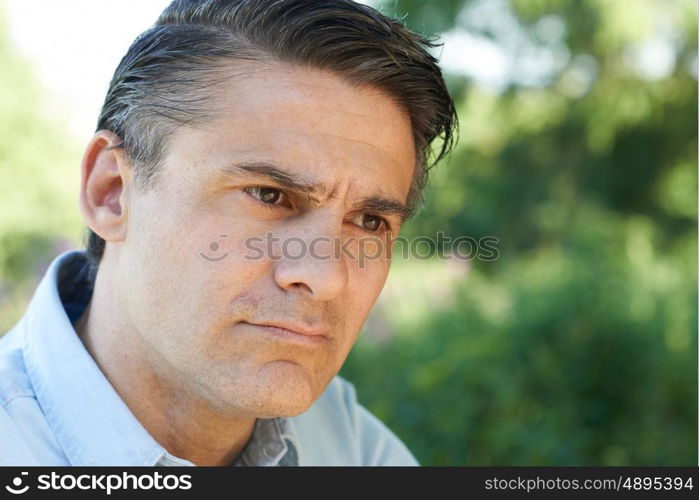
(577, 150)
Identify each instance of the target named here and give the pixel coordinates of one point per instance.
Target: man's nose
(307, 259)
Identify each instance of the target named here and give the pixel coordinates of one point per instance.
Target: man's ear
(105, 178)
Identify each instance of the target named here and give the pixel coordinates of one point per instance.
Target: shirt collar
(91, 422)
(273, 443)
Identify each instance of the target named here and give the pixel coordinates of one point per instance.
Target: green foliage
(39, 179)
(578, 345)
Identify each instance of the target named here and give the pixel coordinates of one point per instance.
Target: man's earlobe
(105, 178)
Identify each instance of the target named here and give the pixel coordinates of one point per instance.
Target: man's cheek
(364, 287)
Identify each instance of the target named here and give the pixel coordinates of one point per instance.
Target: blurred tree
(39, 179)
(577, 346)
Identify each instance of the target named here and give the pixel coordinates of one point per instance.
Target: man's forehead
(311, 121)
(274, 88)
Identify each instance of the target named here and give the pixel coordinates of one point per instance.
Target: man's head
(231, 120)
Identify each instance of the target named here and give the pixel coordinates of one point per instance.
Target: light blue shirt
(58, 408)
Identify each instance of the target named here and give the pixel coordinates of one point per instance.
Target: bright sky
(75, 45)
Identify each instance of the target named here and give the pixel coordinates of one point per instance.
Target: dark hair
(165, 79)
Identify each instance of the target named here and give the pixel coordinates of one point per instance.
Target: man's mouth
(293, 332)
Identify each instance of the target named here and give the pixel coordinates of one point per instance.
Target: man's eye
(267, 195)
(370, 222)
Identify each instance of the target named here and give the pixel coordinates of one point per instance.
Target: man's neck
(186, 427)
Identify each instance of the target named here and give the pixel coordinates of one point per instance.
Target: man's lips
(292, 332)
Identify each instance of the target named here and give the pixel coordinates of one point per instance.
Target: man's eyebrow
(279, 176)
(381, 205)
(314, 191)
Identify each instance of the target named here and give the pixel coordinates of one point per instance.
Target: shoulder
(337, 430)
(16, 401)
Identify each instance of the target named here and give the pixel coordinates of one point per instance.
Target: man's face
(192, 281)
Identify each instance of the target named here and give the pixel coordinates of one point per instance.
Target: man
(179, 338)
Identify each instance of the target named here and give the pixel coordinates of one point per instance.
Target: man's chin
(279, 389)
(289, 388)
